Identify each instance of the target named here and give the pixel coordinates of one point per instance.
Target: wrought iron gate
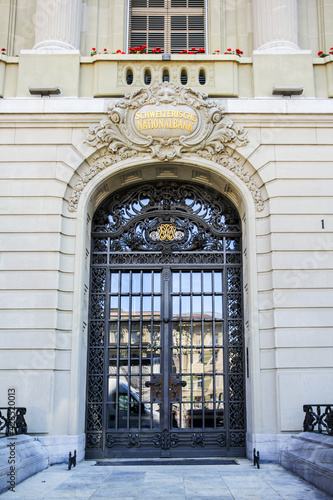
(166, 360)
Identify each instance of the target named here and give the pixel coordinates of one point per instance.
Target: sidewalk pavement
(166, 482)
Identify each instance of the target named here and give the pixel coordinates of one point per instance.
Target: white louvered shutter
(172, 25)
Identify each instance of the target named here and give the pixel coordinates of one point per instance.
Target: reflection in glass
(208, 336)
(146, 340)
(135, 369)
(175, 282)
(208, 361)
(135, 333)
(218, 333)
(185, 301)
(112, 353)
(124, 333)
(123, 353)
(209, 388)
(156, 360)
(175, 334)
(218, 306)
(196, 311)
(196, 282)
(157, 307)
(136, 282)
(112, 383)
(156, 415)
(175, 416)
(175, 307)
(186, 415)
(124, 311)
(135, 308)
(125, 282)
(146, 287)
(197, 416)
(114, 283)
(217, 282)
(145, 394)
(157, 282)
(186, 282)
(207, 282)
(113, 307)
(146, 308)
(186, 334)
(113, 333)
(197, 338)
(187, 390)
(112, 366)
(218, 360)
(208, 309)
(176, 360)
(156, 334)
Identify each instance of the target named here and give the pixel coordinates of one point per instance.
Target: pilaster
(275, 26)
(58, 26)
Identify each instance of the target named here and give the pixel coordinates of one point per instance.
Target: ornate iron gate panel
(165, 357)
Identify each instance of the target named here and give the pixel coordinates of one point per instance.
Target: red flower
(93, 49)
(3, 50)
(229, 50)
(320, 53)
(123, 52)
(217, 51)
(193, 48)
(190, 52)
(105, 50)
(118, 51)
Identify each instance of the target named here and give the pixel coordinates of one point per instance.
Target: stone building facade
(262, 140)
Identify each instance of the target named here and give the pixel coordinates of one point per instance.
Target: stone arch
(128, 172)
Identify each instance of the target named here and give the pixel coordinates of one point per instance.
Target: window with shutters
(172, 25)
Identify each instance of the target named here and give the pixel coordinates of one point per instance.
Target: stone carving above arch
(166, 122)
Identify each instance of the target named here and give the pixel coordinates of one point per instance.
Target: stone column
(275, 26)
(58, 25)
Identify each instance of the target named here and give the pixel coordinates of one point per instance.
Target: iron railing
(12, 421)
(318, 418)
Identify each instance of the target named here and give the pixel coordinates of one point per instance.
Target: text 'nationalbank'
(165, 119)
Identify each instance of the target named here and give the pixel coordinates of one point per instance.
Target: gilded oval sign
(165, 120)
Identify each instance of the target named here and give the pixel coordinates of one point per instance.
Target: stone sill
(158, 57)
(323, 60)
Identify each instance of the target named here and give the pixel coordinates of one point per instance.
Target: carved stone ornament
(165, 122)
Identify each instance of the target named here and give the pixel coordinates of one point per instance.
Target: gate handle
(151, 384)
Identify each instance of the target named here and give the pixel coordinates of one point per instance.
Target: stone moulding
(165, 122)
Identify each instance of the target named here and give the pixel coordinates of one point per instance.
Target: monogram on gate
(166, 232)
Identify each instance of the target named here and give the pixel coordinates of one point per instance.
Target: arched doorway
(166, 360)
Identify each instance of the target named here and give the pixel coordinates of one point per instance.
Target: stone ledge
(310, 456)
(28, 457)
(58, 447)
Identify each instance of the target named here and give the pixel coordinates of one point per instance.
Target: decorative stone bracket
(166, 122)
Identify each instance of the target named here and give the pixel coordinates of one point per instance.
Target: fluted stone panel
(58, 25)
(275, 25)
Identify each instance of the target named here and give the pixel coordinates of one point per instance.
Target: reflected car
(129, 405)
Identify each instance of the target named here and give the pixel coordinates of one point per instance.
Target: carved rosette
(165, 122)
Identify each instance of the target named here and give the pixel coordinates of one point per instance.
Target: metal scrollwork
(221, 440)
(197, 439)
(110, 440)
(165, 440)
(134, 440)
(318, 418)
(165, 217)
